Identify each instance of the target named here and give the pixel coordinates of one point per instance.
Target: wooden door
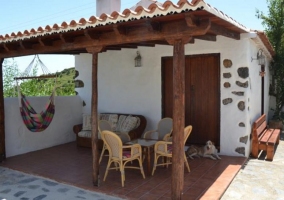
(202, 95)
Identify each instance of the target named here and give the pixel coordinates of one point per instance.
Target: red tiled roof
(140, 12)
(263, 37)
(153, 10)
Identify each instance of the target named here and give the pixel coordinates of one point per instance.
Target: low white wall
(19, 140)
(123, 88)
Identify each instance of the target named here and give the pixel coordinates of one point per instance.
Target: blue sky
(20, 15)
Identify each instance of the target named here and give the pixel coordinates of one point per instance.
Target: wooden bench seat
(264, 138)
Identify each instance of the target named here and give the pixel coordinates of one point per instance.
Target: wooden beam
(6, 48)
(2, 115)
(94, 112)
(35, 77)
(65, 39)
(220, 30)
(25, 46)
(137, 35)
(119, 30)
(206, 37)
(185, 40)
(153, 26)
(112, 48)
(178, 119)
(95, 36)
(44, 43)
(191, 20)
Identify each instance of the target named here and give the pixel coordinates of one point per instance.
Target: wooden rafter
(90, 36)
(44, 43)
(219, 30)
(66, 39)
(153, 26)
(191, 20)
(155, 31)
(88, 39)
(119, 30)
(206, 37)
(25, 45)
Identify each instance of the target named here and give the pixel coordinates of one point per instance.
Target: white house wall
(19, 140)
(123, 88)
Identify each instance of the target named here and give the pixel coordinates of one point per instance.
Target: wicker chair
(164, 149)
(105, 125)
(120, 155)
(165, 126)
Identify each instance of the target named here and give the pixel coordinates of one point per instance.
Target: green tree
(274, 28)
(10, 70)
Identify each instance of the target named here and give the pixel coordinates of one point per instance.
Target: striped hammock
(33, 121)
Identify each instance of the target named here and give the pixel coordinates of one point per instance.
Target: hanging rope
(28, 71)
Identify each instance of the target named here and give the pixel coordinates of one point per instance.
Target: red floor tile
(72, 165)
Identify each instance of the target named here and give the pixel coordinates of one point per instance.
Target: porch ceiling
(142, 27)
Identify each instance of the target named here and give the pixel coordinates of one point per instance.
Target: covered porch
(72, 165)
(167, 25)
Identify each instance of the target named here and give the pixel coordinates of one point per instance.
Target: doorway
(202, 96)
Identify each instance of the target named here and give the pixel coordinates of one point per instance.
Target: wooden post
(178, 116)
(94, 112)
(2, 115)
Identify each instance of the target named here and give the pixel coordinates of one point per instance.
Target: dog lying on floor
(209, 150)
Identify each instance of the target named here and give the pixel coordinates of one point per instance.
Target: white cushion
(112, 118)
(129, 123)
(87, 134)
(138, 122)
(87, 123)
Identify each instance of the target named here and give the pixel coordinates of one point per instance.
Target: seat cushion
(87, 123)
(112, 118)
(126, 154)
(126, 123)
(87, 134)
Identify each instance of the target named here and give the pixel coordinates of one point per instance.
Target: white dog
(209, 150)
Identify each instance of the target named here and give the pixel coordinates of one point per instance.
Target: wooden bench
(264, 138)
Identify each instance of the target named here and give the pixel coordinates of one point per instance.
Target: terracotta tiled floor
(69, 164)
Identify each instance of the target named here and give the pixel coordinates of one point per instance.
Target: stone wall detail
(227, 75)
(244, 85)
(238, 93)
(79, 84)
(240, 150)
(76, 74)
(227, 101)
(243, 72)
(244, 139)
(241, 105)
(227, 85)
(227, 63)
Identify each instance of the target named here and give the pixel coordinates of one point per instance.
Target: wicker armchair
(164, 127)
(105, 125)
(120, 155)
(164, 149)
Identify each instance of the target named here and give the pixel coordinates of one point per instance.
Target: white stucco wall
(124, 88)
(19, 140)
